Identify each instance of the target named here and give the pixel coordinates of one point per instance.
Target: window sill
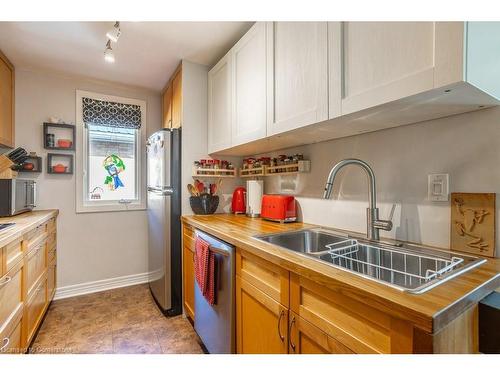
(111, 208)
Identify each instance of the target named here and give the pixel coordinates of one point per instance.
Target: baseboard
(100, 285)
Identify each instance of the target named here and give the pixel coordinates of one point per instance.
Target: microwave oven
(17, 196)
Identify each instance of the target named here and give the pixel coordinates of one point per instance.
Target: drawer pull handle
(292, 345)
(5, 281)
(282, 313)
(6, 342)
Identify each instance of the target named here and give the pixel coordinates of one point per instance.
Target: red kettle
(238, 205)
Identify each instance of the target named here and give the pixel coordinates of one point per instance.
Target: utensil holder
(204, 204)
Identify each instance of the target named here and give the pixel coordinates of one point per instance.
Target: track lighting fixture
(109, 56)
(114, 33)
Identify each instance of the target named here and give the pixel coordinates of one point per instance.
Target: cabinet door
(167, 107)
(188, 279)
(261, 322)
(219, 106)
(382, 61)
(177, 100)
(297, 90)
(248, 60)
(6, 102)
(306, 338)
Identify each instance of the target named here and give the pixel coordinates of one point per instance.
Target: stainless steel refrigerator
(164, 225)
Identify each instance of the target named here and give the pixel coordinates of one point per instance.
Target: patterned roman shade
(118, 115)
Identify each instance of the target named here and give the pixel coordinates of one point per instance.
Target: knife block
(5, 164)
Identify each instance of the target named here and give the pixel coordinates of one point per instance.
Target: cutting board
(473, 223)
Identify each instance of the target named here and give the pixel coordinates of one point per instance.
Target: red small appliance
(238, 204)
(276, 207)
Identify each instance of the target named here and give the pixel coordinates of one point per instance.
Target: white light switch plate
(438, 187)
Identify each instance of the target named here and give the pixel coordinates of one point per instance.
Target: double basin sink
(407, 268)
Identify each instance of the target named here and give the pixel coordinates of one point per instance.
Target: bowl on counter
(204, 204)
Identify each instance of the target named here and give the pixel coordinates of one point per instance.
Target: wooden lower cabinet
(188, 280)
(11, 335)
(305, 338)
(261, 322)
(27, 285)
(35, 307)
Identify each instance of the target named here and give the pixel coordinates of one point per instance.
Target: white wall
(91, 246)
(465, 146)
(194, 134)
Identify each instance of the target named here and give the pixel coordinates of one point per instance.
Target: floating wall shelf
(37, 165)
(60, 159)
(59, 131)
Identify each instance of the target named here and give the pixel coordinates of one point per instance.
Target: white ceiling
(146, 54)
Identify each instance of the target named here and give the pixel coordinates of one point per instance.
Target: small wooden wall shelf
(303, 166)
(214, 172)
(46, 130)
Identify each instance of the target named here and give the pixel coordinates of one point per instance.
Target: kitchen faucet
(373, 223)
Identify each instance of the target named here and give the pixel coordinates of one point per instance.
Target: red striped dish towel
(204, 268)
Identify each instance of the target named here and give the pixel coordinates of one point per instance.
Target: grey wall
(465, 146)
(91, 246)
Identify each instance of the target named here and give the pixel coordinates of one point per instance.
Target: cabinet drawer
(267, 277)
(35, 308)
(10, 337)
(35, 236)
(360, 327)
(51, 225)
(36, 265)
(51, 280)
(13, 253)
(188, 237)
(10, 293)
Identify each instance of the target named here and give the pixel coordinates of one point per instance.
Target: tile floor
(124, 320)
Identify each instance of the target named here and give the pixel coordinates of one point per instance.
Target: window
(109, 163)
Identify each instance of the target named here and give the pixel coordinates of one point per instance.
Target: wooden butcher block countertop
(430, 311)
(23, 224)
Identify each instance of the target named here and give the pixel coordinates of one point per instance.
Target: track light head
(114, 33)
(109, 56)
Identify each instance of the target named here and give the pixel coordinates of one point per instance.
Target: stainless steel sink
(408, 268)
(304, 241)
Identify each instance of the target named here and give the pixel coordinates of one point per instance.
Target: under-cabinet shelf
(302, 166)
(214, 172)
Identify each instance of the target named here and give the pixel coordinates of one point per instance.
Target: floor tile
(124, 320)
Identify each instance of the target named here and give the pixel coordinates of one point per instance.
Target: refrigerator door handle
(162, 191)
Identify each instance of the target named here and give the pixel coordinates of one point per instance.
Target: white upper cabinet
(297, 69)
(374, 63)
(383, 61)
(248, 60)
(219, 106)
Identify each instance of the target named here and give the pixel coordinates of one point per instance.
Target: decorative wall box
(59, 136)
(37, 165)
(60, 163)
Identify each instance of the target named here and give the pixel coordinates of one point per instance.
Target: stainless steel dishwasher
(216, 324)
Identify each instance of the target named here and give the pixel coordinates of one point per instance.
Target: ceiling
(146, 54)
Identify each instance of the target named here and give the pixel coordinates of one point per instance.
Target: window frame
(83, 204)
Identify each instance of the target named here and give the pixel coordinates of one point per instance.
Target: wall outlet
(438, 187)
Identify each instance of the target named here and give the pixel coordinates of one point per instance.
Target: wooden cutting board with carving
(473, 223)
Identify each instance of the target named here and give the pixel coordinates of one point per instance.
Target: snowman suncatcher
(114, 166)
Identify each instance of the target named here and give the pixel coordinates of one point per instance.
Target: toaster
(278, 208)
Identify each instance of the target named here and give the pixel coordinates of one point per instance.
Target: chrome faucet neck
(373, 224)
